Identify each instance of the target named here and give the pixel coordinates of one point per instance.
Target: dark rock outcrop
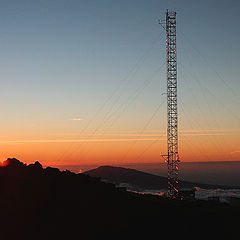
(45, 203)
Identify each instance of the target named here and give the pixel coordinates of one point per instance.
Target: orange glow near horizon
(123, 148)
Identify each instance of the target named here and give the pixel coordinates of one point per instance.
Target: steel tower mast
(172, 113)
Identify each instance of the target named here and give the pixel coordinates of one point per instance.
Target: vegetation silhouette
(45, 203)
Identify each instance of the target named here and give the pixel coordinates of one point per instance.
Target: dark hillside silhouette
(45, 203)
(141, 180)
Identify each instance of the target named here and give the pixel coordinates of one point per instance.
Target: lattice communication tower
(172, 156)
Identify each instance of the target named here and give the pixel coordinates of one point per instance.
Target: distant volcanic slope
(139, 180)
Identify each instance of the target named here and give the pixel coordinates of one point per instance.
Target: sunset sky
(83, 81)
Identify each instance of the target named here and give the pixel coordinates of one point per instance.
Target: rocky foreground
(45, 203)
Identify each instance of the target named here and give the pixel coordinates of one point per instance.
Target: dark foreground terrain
(39, 203)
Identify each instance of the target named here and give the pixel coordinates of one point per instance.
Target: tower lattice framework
(172, 113)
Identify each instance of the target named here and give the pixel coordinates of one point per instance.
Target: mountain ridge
(46, 203)
(143, 180)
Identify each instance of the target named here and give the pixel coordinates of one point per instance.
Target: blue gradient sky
(91, 69)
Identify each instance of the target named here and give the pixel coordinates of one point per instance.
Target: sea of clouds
(224, 195)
